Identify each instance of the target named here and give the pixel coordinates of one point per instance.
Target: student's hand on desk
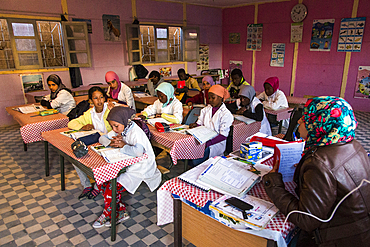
(117, 142)
(193, 125)
(88, 127)
(241, 110)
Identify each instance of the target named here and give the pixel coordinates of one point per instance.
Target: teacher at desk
(333, 165)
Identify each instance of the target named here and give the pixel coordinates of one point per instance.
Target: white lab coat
(98, 122)
(265, 125)
(219, 122)
(173, 108)
(125, 95)
(275, 101)
(64, 102)
(145, 170)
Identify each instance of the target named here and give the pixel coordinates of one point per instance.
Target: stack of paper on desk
(228, 177)
(257, 217)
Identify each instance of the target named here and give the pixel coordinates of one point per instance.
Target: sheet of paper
(152, 121)
(290, 154)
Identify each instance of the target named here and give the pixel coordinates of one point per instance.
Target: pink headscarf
(209, 79)
(220, 91)
(274, 82)
(110, 76)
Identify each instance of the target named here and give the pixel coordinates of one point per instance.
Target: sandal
(85, 193)
(92, 194)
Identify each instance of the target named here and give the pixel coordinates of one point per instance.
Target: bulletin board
(350, 34)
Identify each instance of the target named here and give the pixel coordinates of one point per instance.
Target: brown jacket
(324, 176)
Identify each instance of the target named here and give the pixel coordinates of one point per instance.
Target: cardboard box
(251, 150)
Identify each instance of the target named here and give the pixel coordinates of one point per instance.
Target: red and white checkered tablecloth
(281, 114)
(242, 131)
(200, 198)
(103, 171)
(32, 132)
(181, 146)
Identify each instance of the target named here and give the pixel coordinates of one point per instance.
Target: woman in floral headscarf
(333, 165)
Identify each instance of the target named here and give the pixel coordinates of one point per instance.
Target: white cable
(335, 209)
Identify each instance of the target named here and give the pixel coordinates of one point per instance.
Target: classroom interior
(33, 209)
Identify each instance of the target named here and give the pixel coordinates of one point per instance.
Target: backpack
(79, 109)
(143, 126)
(141, 71)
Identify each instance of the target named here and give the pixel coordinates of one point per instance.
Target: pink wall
(107, 55)
(318, 73)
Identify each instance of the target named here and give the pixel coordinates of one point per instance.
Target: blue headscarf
(168, 90)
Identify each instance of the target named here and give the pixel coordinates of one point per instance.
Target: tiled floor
(35, 212)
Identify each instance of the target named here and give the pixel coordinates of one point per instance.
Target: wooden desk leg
(62, 177)
(46, 152)
(113, 205)
(177, 214)
(24, 147)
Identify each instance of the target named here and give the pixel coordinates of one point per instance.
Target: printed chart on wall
(254, 37)
(203, 63)
(362, 89)
(322, 34)
(111, 28)
(296, 32)
(350, 34)
(277, 55)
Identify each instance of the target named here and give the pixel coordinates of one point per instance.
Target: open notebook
(202, 134)
(192, 175)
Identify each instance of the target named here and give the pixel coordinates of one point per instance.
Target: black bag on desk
(90, 139)
(79, 148)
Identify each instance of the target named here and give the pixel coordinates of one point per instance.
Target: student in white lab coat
(61, 98)
(273, 98)
(166, 106)
(131, 140)
(118, 90)
(217, 117)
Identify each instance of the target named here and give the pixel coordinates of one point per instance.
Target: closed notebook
(192, 175)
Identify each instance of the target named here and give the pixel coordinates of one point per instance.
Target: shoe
(100, 222)
(92, 194)
(84, 193)
(124, 216)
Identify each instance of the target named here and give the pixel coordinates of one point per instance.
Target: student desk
(296, 101)
(242, 130)
(32, 125)
(137, 83)
(281, 114)
(192, 220)
(92, 164)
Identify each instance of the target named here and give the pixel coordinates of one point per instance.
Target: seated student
(94, 118)
(237, 80)
(131, 140)
(190, 83)
(218, 118)
(61, 98)
(273, 98)
(202, 97)
(166, 106)
(249, 106)
(155, 79)
(118, 90)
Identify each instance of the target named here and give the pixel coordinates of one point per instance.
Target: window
(158, 44)
(30, 44)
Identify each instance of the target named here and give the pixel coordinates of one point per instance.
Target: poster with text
(277, 55)
(254, 37)
(362, 89)
(350, 34)
(322, 34)
(203, 63)
(296, 32)
(111, 28)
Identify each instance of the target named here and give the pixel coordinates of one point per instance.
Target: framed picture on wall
(234, 38)
(111, 28)
(32, 82)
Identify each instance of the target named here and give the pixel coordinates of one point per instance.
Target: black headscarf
(120, 114)
(56, 79)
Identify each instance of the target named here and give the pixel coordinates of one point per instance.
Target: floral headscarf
(328, 120)
(274, 82)
(110, 76)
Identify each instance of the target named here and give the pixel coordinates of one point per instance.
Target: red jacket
(199, 98)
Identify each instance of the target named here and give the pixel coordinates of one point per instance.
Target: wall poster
(362, 89)
(234, 38)
(277, 55)
(165, 71)
(111, 28)
(32, 82)
(203, 63)
(350, 34)
(322, 33)
(254, 37)
(296, 32)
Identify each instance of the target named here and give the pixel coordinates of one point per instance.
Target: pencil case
(48, 112)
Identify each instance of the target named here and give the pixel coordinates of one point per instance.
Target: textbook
(152, 121)
(100, 148)
(256, 218)
(75, 134)
(228, 177)
(192, 175)
(244, 119)
(114, 155)
(180, 129)
(29, 109)
(202, 134)
(287, 155)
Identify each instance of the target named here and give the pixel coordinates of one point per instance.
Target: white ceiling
(220, 3)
